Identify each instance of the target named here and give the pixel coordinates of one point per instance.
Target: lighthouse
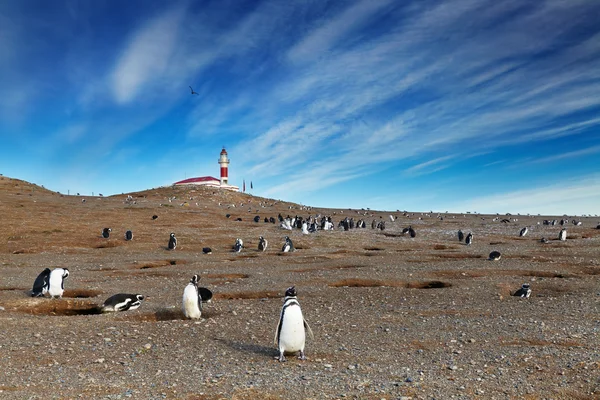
(213, 182)
(224, 163)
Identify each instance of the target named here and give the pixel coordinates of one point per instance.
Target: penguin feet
(302, 356)
(281, 357)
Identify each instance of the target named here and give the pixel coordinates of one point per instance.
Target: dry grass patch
(81, 293)
(226, 276)
(265, 294)
(478, 273)
(428, 285)
(357, 282)
(156, 264)
(55, 307)
(341, 267)
(107, 244)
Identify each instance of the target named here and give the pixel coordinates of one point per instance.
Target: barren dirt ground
(393, 316)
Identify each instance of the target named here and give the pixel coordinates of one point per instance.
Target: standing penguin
(56, 282)
(128, 235)
(41, 284)
(193, 297)
(106, 233)
(305, 228)
(262, 244)
(238, 246)
(562, 234)
(172, 242)
(290, 336)
(412, 232)
(122, 302)
(469, 239)
(523, 232)
(525, 291)
(461, 235)
(288, 246)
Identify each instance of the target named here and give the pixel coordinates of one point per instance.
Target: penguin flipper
(310, 332)
(277, 330)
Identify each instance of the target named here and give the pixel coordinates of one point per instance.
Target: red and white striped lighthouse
(224, 163)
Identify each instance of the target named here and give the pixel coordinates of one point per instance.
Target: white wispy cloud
(576, 197)
(493, 86)
(147, 56)
(323, 38)
(566, 155)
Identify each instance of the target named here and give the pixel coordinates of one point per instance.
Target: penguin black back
(41, 283)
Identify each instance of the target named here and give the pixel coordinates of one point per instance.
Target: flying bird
(196, 93)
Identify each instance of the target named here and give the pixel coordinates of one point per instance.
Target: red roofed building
(213, 182)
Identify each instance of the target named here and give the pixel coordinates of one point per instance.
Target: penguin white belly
(292, 336)
(191, 308)
(56, 287)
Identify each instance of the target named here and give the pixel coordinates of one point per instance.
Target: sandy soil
(393, 317)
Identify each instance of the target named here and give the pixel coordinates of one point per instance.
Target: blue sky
(459, 105)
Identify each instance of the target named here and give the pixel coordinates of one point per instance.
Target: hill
(393, 316)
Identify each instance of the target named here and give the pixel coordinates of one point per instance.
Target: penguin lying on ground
(525, 291)
(122, 302)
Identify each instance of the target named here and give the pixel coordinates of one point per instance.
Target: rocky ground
(393, 317)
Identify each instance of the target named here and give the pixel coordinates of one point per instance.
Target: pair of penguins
(106, 234)
(52, 282)
(468, 239)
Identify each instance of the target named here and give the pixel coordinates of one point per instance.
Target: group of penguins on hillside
(290, 335)
(292, 328)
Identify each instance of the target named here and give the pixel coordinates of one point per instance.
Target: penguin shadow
(258, 349)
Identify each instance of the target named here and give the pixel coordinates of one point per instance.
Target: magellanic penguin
(290, 336)
(238, 246)
(41, 284)
(288, 246)
(193, 297)
(495, 256)
(122, 302)
(56, 282)
(207, 250)
(562, 234)
(262, 244)
(523, 232)
(172, 242)
(461, 235)
(128, 235)
(106, 233)
(412, 232)
(469, 239)
(525, 291)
